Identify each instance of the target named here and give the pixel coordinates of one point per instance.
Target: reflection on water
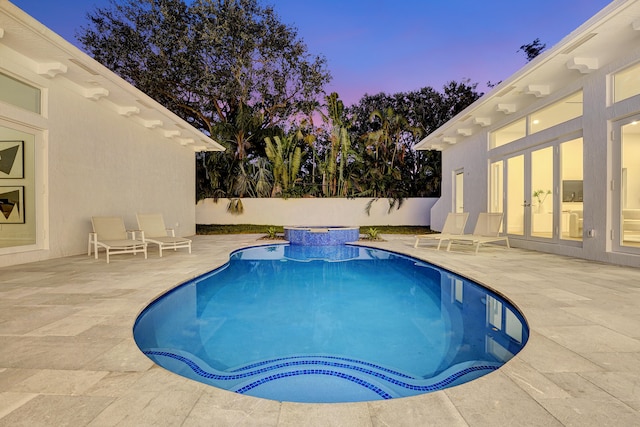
(398, 325)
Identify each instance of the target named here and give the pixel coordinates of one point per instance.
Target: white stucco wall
(91, 161)
(594, 126)
(316, 212)
(468, 158)
(101, 163)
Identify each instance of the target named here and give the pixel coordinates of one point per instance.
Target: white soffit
(52, 57)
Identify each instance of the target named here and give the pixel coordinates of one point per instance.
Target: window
(556, 113)
(19, 94)
(509, 133)
(626, 83)
(545, 118)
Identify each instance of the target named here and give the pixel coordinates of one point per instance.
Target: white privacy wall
(316, 212)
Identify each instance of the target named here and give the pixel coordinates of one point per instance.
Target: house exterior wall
(594, 127)
(105, 164)
(468, 158)
(91, 161)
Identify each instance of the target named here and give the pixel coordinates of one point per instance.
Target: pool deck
(67, 356)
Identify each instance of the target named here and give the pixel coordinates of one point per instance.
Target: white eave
(50, 56)
(615, 29)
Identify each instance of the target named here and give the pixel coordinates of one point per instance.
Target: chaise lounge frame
(153, 230)
(110, 233)
(487, 230)
(453, 226)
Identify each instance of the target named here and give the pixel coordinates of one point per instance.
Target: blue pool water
(330, 324)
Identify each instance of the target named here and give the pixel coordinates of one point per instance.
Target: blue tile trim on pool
(348, 377)
(344, 359)
(424, 388)
(198, 370)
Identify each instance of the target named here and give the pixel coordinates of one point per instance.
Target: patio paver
(67, 356)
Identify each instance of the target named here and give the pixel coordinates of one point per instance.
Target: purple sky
(394, 46)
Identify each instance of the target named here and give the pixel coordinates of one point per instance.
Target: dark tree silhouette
(532, 49)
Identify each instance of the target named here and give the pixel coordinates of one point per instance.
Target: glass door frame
(458, 191)
(527, 202)
(617, 186)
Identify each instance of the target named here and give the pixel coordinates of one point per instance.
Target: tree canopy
(228, 67)
(401, 120)
(231, 69)
(533, 49)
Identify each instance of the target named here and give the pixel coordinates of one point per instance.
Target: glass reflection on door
(542, 193)
(516, 200)
(459, 191)
(630, 185)
(571, 190)
(496, 192)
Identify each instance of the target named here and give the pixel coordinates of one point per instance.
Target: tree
(532, 49)
(286, 157)
(228, 67)
(423, 111)
(385, 153)
(334, 178)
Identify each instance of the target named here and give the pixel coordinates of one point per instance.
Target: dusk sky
(396, 45)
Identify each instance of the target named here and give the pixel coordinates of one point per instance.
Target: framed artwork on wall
(12, 205)
(11, 159)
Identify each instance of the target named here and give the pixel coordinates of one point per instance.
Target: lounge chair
(487, 230)
(109, 233)
(154, 231)
(453, 226)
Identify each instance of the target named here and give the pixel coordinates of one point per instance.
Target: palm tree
(262, 178)
(308, 134)
(239, 132)
(285, 158)
(384, 152)
(338, 156)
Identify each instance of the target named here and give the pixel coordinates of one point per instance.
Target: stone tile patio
(67, 356)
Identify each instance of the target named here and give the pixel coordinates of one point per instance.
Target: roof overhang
(50, 56)
(615, 29)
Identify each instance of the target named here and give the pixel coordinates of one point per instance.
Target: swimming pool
(330, 324)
